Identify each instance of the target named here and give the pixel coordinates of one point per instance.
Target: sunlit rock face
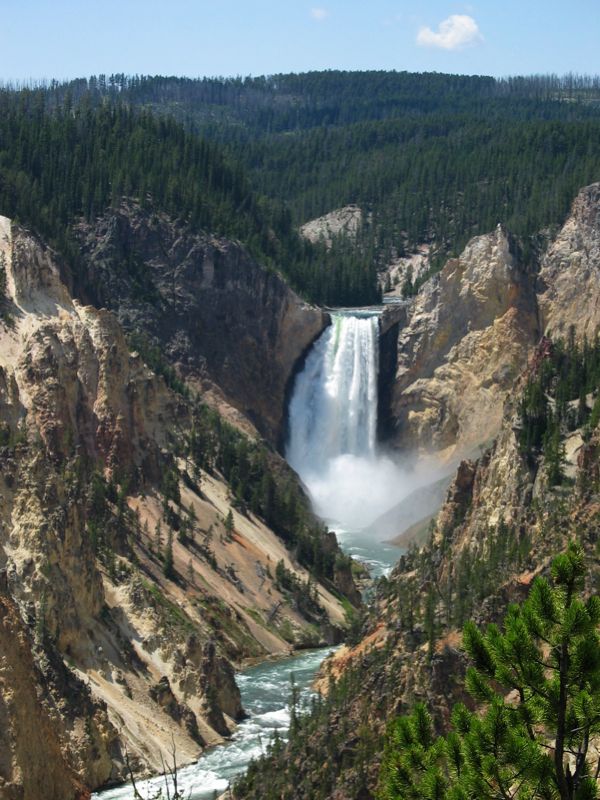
(344, 222)
(103, 654)
(469, 335)
(569, 280)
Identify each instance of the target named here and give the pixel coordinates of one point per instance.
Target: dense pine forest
(428, 157)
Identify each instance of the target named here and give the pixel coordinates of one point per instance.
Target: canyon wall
(224, 321)
(502, 522)
(132, 579)
(473, 327)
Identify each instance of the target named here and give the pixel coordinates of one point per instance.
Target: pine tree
(538, 681)
(429, 621)
(168, 565)
(158, 538)
(3, 279)
(228, 524)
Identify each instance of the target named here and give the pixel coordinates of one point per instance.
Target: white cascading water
(332, 441)
(334, 405)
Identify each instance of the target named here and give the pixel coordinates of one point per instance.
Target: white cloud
(319, 14)
(458, 31)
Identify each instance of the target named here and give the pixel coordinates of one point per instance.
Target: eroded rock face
(344, 221)
(468, 337)
(217, 314)
(473, 328)
(99, 649)
(570, 271)
(490, 504)
(34, 761)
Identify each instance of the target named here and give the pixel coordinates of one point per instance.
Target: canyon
(118, 654)
(109, 653)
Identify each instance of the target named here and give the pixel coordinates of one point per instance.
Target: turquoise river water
(265, 691)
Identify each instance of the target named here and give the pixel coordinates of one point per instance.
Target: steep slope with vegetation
(146, 546)
(535, 681)
(505, 517)
(428, 158)
(220, 319)
(61, 163)
(503, 520)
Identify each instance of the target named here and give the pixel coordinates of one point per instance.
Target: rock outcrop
(472, 328)
(223, 320)
(345, 222)
(569, 280)
(123, 603)
(468, 337)
(403, 271)
(35, 760)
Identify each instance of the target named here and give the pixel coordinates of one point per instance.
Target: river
(265, 691)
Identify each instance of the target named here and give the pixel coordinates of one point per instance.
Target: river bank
(265, 690)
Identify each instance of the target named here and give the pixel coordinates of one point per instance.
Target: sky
(73, 38)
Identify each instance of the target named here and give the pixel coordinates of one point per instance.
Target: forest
(430, 158)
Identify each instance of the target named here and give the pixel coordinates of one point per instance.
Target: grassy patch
(172, 614)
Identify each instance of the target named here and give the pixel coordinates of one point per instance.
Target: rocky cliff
(34, 761)
(472, 328)
(504, 517)
(226, 323)
(569, 285)
(132, 575)
(342, 222)
(468, 336)
(500, 526)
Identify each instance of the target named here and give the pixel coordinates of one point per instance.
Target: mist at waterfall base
(332, 441)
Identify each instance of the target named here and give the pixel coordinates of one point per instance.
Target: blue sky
(68, 38)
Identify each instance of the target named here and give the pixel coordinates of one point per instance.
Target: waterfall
(333, 411)
(332, 440)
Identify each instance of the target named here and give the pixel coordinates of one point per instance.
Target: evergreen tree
(2, 277)
(538, 681)
(168, 564)
(158, 538)
(228, 524)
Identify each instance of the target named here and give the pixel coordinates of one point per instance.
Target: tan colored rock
(468, 337)
(113, 635)
(409, 267)
(570, 271)
(32, 764)
(344, 221)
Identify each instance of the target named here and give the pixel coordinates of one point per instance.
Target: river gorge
(332, 445)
